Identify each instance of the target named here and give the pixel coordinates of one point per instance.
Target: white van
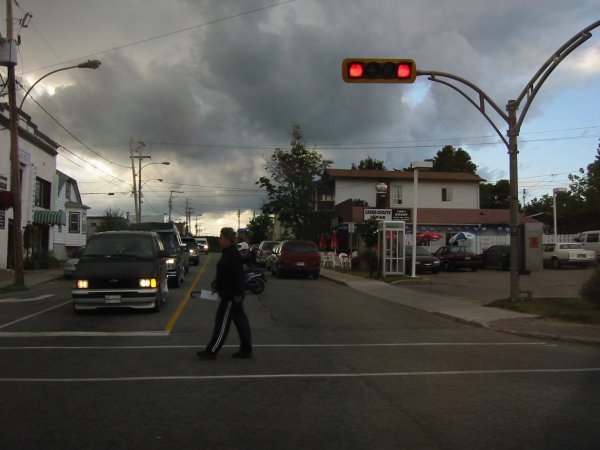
(590, 241)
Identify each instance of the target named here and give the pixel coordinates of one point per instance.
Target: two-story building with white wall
(43, 212)
(447, 202)
(70, 237)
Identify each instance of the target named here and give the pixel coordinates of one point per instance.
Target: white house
(73, 235)
(43, 211)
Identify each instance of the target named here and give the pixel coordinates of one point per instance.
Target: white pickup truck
(568, 254)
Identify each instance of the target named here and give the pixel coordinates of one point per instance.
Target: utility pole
(137, 193)
(171, 202)
(14, 157)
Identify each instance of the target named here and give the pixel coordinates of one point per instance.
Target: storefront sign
(387, 214)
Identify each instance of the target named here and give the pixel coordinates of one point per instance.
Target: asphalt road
(332, 369)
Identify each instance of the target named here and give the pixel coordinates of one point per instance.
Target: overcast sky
(214, 86)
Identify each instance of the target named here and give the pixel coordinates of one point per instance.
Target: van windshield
(120, 245)
(170, 241)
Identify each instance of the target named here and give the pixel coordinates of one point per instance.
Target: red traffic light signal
(355, 70)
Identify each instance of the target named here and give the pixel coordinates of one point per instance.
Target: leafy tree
(585, 191)
(113, 219)
(258, 227)
(369, 164)
(294, 178)
(450, 159)
(495, 196)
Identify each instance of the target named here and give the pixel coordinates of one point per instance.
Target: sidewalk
(470, 310)
(32, 277)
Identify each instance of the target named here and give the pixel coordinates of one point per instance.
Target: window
(396, 195)
(42, 193)
(446, 194)
(68, 190)
(74, 222)
(592, 237)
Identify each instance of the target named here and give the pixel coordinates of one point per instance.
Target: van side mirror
(163, 254)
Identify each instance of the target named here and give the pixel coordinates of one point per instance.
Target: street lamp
(17, 240)
(416, 165)
(555, 192)
(91, 64)
(139, 206)
(381, 190)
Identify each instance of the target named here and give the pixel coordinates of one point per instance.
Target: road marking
(166, 347)
(23, 300)
(35, 334)
(188, 294)
(300, 376)
(35, 314)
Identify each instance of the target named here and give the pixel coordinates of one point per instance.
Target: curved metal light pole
(514, 123)
(91, 64)
(17, 240)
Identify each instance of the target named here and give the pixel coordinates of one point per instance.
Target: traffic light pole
(514, 122)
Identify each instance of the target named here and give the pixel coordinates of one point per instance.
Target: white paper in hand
(208, 295)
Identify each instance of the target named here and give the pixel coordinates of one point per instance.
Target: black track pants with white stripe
(229, 310)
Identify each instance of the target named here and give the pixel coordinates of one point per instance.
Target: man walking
(230, 288)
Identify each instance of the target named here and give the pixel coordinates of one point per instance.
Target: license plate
(112, 299)
(467, 258)
(300, 264)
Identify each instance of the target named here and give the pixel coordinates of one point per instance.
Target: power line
(171, 33)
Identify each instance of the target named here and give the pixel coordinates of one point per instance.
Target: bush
(591, 288)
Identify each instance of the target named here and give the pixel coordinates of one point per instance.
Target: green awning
(48, 217)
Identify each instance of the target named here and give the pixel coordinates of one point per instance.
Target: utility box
(531, 248)
(8, 53)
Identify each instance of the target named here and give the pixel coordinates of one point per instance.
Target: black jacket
(229, 273)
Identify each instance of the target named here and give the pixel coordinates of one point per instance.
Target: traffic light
(356, 70)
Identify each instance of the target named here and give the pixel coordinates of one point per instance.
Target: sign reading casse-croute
(387, 214)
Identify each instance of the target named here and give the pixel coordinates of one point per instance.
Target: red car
(458, 257)
(301, 257)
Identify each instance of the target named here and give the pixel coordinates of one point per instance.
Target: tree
(294, 178)
(449, 159)
(258, 227)
(368, 233)
(495, 196)
(113, 220)
(585, 191)
(369, 164)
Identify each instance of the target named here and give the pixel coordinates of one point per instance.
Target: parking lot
(487, 285)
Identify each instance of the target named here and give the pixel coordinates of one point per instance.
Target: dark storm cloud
(242, 82)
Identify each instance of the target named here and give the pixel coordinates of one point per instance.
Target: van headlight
(148, 282)
(170, 263)
(81, 284)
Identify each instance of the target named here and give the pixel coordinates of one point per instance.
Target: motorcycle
(254, 280)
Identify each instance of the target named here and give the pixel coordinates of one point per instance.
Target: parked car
(568, 254)
(121, 269)
(178, 261)
(295, 256)
(202, 245)
(265, 248)
(497, 256)
(193, 249)
(71, 264)
(590, 241)
(425, 261)
(458, 257)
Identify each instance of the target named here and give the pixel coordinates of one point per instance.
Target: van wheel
(555, 263)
